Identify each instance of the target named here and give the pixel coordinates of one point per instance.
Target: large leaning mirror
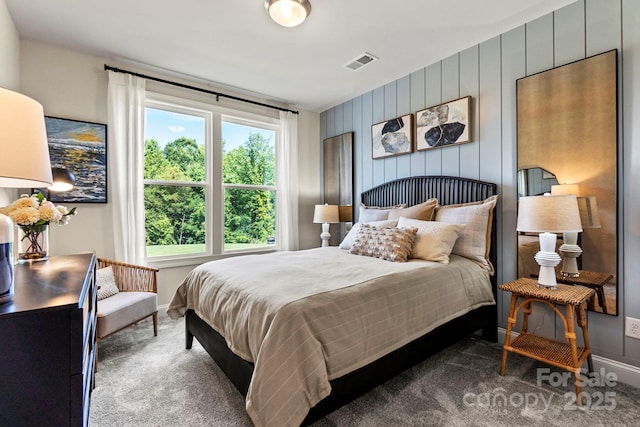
(338, 180)
(567, 144)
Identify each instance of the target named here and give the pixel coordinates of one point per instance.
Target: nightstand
(566, 355)
(594, 280)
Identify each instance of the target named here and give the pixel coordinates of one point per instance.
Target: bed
(320, 376)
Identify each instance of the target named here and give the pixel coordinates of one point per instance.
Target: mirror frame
(338, 179)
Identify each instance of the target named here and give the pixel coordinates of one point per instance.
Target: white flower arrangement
(33, 214)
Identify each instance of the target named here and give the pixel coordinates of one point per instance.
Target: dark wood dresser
(47, 343)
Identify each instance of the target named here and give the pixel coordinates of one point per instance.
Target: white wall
(488, 72)
(9, 70)
(73, 85)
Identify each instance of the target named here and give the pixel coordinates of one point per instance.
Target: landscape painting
(444, 125)
(80, 147)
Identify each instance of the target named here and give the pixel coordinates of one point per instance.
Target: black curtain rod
(210, 92)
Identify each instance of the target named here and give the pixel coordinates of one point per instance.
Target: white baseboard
(626, 373)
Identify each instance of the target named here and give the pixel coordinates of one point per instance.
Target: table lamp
(589, 218)
(24, 163)
(326, 214)
(548, 215)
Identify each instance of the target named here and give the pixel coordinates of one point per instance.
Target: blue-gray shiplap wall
(488, 72)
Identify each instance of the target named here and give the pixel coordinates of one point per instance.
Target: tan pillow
(434, 240)
(106, 283)
(391, 244)
(423, 211)
(347, 242)
(376, 213)
(475, 240)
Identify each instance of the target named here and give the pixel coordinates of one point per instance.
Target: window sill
(201, 259)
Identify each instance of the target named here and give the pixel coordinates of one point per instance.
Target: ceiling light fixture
(288, 13)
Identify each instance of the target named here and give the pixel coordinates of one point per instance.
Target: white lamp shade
(539, 214)
(589, 212)
(288, 13)
(24, 151)
(326, 214)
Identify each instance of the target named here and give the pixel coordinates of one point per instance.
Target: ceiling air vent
(360, 61)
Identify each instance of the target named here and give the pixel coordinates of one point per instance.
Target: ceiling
(233, 44)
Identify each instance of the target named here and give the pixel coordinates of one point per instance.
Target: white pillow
(434, 240)
(376, 213)
(348, 240)
(475, 241)
(106, 283)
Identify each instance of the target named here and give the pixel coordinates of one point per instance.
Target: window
(248, 174)
(175, 185)
(209, 181)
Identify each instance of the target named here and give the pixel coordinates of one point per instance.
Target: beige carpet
(146, 381)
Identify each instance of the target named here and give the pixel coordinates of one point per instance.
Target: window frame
(213, 185)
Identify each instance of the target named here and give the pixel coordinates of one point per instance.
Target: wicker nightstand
(594, 280)
(565, 355)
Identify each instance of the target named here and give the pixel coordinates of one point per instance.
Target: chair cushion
(123, 309)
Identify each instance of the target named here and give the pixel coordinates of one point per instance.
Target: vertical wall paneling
(378, 116)
(488, 72)
(433, 96)
(629, 305)
(367, 122)
(338, 119)
(347, 117)
(569, 32)
(451, 91)
(358, 155)
(489, 136)
(417, 103)
(539, 44)
(390, 111)
(403, 106)
(331, 122)
(604, 27)
(470, 85)
(513, 67)
(490, 110)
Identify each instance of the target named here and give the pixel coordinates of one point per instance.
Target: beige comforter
(306, 317)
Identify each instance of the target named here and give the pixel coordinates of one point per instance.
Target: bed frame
(412, 191)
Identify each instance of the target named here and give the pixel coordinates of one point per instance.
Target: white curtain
(287, 164)
(126, 101)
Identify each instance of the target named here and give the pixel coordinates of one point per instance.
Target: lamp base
(547, 259)
(325, 235)
(6, 258)
(570, 252)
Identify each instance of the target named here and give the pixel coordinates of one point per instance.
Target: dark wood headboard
(417, 189)
(448, 190)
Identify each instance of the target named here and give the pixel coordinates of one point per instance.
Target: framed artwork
(444, 125)
(81, 148)
(392, 137)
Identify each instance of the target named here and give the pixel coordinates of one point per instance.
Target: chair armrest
(130, 277)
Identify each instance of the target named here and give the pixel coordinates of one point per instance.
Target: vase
(32, 243)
